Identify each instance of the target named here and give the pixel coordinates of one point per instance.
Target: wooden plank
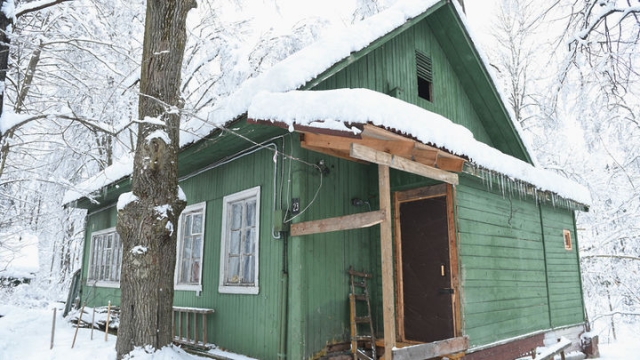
(456, 299)
(421, 193)
(449, 163)
(397, 199)
(374, 132)
(431, 350)
(549, 352)
(386, 254)
(400, 163)
(347, 222)
(403, 147)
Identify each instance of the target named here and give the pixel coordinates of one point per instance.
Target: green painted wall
(255, 318)
(563, 268)
(514, 280)
(393, 65)
(101, 219)
(319, 283)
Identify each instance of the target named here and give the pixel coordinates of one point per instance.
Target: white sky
(480, 13)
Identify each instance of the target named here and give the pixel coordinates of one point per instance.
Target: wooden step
(361, 297)
(363, 319)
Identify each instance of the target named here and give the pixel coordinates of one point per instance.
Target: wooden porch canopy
(383, 147)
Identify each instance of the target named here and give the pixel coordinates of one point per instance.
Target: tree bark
(149, 223)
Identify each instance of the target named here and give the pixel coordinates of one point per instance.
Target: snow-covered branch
(611, 256)
(36, 6)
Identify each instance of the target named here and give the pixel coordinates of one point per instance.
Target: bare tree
(148, 216)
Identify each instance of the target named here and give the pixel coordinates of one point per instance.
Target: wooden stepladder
(360, 316)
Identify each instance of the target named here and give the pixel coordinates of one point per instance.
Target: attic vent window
(567, 239)
(425, 76)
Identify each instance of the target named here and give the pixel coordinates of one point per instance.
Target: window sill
(185, 287)
(105, 284)
(250, 290)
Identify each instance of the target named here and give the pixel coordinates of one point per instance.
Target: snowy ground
(25, 334)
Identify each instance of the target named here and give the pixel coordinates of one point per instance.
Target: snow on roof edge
(121, 168)
(333, 109)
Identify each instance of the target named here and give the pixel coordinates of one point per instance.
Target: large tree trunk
(148, 216)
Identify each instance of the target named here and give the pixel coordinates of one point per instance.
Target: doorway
(426, 264)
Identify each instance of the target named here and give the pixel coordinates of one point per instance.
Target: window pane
(184, 272)
(233, 269)
(197, 224)
(187, 226)
(251, 213)
(195, 272)
(236, 215)
(234, 242)
(249, 241)
(197, 245)
(248, 270)
(186, 248)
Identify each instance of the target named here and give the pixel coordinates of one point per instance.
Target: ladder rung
(359, 274)
(363, 319)
(361, 297)
(364, 337)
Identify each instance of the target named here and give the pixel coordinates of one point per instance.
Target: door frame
(416, 194)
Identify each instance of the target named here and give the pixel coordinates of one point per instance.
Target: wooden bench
(187, 318)
(549, 352)
(453, 348)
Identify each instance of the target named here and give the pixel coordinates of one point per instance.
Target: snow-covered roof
(290, 74)
(120, 169)
(306, 64)
(340, 109)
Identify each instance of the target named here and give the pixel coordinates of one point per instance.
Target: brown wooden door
(426, 291)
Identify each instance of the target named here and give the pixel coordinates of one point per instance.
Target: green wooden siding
(516, 276)
(319, 283)
(254, 317)
(393, 66)
(101, 219)
(502, 264)
(563, 269)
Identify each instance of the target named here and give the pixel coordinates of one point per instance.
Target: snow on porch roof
(339, 109)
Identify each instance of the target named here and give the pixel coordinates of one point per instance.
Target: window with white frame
(190, 245)
(240, 242)
(106, 258)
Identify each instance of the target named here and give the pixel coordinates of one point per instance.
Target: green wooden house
(387, 149)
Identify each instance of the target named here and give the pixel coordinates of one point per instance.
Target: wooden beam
(347, 222)
(332, 152)
(402, 147)
(386, 254)
(431, 350)
(400, 163)
(374, 132)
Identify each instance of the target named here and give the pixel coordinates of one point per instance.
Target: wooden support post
(93, 318)
(75, 335)
(180, 324)
(386, 253)
(204, 329)
(106, 327)
(53, 328)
